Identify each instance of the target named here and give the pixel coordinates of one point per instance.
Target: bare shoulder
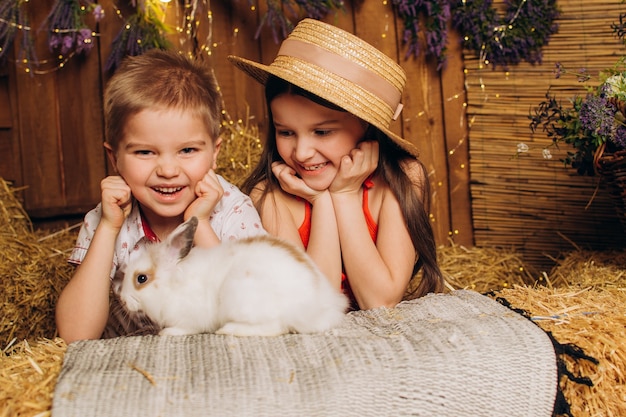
(257, 192)
(271, 197)
(281, 213)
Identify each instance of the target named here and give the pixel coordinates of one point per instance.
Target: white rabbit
(258, 286)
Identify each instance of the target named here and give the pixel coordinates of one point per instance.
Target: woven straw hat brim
(332, 88)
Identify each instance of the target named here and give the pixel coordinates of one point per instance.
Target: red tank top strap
(305, 228)
(147, 230)
(371, 224)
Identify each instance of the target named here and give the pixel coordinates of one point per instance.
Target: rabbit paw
(255, 329)
(175, 331)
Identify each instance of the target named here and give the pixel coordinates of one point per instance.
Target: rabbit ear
(180, 241)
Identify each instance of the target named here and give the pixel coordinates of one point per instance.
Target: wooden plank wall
(56, 126)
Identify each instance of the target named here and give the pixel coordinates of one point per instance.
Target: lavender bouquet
(591, 124)
(594, 125)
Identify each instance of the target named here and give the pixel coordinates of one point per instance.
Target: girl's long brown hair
(414, 204)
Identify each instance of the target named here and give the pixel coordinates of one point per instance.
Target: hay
(593, 318)
(33, 271)
(482, 269)
(585, 268)
(28, 375)
(580, 301)
(240, 150)
(14, 219)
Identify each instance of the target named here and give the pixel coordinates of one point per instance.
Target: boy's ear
(111, 155)
(216, 150)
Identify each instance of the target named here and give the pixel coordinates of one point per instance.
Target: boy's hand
(293, 184)
(209, 192)
(116, 201)
(355, 168)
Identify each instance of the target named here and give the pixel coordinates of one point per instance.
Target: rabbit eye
(142, 279)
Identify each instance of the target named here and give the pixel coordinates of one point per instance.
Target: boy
(163, 114)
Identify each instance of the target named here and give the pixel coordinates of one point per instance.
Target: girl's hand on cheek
(291, 183)
(355, 168)
(209, 192)
(116, 201)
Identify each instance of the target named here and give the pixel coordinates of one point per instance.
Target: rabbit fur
(257, 286)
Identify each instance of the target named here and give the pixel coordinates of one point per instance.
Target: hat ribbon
(346, 69)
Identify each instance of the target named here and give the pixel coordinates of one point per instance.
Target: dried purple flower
(136, 36)
(84, 40)
(66, 20)
(583, 75)
(276, 18)
(54, 41)
(67, 44)
(435, 15)
(597, 115)
(619, 139)
(11, 17)
(98, 13)
(508, 40)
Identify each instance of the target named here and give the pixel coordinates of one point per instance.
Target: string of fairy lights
(193, 29)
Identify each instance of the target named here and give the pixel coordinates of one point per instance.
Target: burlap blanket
(459, 354)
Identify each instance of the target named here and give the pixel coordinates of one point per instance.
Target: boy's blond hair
(156, 80)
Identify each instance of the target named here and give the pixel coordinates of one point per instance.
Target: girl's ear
(111, 155)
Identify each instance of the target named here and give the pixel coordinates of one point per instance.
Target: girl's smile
(312, 139)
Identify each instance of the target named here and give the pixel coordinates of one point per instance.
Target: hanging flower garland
(502, 41)
(67, 30)
(142, 31)
(436, 14)
(12, 18)
(277, 20)
(68, 34)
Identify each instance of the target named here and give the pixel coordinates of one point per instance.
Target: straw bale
(28, 375)
(33, 270)
(594, 319)
(13, 218)
(585, 268)
(582, 301)
(483, 269)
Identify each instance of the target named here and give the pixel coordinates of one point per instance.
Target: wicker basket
(612, 167)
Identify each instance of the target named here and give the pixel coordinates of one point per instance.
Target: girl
(333, 178)
(163, 117)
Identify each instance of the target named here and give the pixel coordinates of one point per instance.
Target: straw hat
(340, 68)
